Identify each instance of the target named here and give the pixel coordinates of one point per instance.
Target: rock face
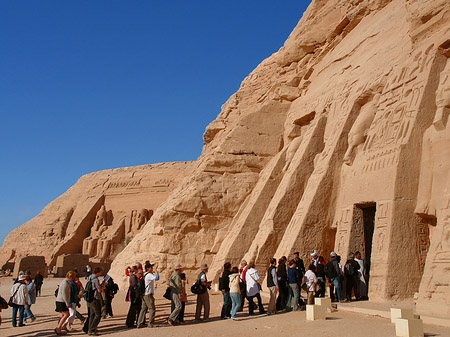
(321, 148)
(98, 216)
(339, 141)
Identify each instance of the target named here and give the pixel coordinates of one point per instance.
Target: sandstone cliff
(98, 215)
(320, 148)
(338, 141)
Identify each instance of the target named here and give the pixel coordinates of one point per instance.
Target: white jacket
(21, 296)
(252, 278)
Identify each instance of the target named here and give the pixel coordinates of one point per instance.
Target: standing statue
(433, 200)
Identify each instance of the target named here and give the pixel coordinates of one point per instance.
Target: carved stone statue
(435, 166)
(357, 134)
(97, 229)
(433, 200)
(113, 235)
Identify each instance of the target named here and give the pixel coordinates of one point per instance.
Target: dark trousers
(283, 295)
(226, 308)
(251, 304)
(38, 289)
(243, 296)
(86, 322)
(351, 285)
(321, 284)
(108, 306)
(133, 312)
(95, 315)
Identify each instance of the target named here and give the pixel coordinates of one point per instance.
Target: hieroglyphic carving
(357, 241)
(382, 220)
(423, 243)
(125, 184)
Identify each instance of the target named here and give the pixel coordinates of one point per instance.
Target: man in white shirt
(310, 281)
(148, 300)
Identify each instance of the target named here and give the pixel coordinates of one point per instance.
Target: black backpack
(330, 271)
(197, 288)
(56, 291)
(349, 269)
(139, 288)
(89, 292)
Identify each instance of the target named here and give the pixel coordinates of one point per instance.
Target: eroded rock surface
(97, 216)
(338, 141)
(320, 148)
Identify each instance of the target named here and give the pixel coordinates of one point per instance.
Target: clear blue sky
(92, 85)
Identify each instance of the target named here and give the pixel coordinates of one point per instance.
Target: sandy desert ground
(339, 323)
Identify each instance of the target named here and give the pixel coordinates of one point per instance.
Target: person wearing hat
(175, 286)
(203, 298)
(334, 273)
(19, 293)
(148, 301)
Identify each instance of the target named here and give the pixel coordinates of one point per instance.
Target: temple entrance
(361, 235)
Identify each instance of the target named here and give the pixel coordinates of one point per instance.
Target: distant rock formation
(98, 216)
(320, 148)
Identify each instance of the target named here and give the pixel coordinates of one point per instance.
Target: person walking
(225, 288)
(87, 272)
(272, 284)
(234, 292)
(73, 301)
(62, 302)
(310, 281)
(320, 274)
(95, 307)
(362, 283)
(253, 289)
(135, 301)
(148, 300)
(282, 279)
(351, 268)
(293, 275)
(333, 273)
(300, 266)
(175, 293)
(19, 294)
(111, 290)
(31, 299)
(38, 281)
(243, 284)
(183, 298)
(203, 298)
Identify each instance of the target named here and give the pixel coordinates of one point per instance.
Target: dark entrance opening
(361, 235)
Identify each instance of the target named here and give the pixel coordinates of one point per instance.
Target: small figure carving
(358, 132)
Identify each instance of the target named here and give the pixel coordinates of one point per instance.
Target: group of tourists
(285, 281)
(97, 295)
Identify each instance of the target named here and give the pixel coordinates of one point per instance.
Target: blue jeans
(336, 283)
(16, 308)
(235, 300)
(293, 292)
(28, 313)
(226, 305)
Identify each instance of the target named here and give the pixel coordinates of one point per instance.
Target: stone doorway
(361, 235)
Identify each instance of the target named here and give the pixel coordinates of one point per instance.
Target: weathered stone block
(397, 313)
(323, 301)
(408, 327)
(314, 312)
(31, 263)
